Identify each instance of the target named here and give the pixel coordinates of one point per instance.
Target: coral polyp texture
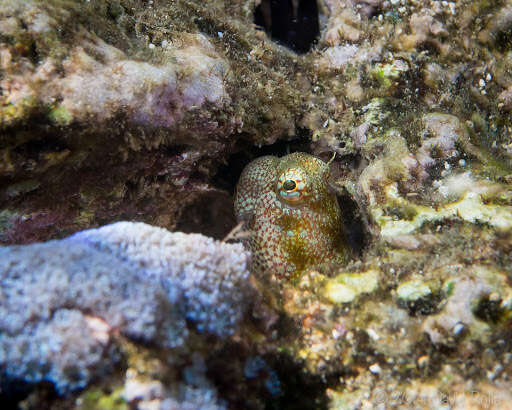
(62, 301)
(293, 215)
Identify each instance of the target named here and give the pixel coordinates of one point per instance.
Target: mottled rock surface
(112, 105)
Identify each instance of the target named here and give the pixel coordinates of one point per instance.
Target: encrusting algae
(293, 215)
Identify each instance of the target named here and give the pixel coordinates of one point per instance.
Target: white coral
(145, 281)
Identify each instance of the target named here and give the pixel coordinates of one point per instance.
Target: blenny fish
(292, 214)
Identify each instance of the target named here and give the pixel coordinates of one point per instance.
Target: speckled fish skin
(294, 217)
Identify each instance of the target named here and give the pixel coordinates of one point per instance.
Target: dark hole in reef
(489, 310)
(355, 230)
(211, 214)
(300, 390)
(292, 23)
(34, 149)
(503, 40)
(13, 392)
(271, 381)
(431, 47)
(423, 306)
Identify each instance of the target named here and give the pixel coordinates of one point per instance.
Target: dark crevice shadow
(355, 229)
(291, 23)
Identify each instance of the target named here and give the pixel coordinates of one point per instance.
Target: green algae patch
(85, 218)
(60, 116)
(346, 287)
(6, 164)
(6, 220)
(97, 399)
(385, 74)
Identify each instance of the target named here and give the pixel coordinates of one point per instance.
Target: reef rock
(137, 105)
(148, 111)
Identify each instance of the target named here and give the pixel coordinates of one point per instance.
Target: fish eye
(289, 185)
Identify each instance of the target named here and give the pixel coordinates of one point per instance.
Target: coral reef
(148, 111)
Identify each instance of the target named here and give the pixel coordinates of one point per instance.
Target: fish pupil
(289, 185)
